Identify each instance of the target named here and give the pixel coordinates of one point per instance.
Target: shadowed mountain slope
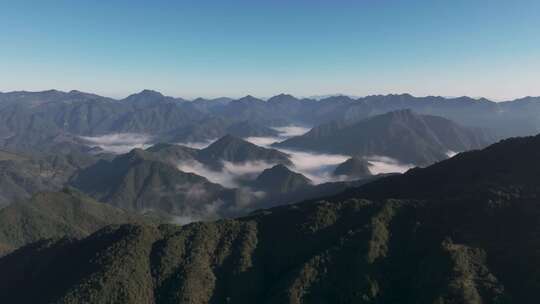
(508, 167)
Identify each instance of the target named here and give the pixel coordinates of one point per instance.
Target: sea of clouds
(319, 166)
(231, 174)
(119, 143)
(316, 166)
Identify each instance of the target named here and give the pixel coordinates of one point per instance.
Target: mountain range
(55, 120)
(464, 230)
(156, 199)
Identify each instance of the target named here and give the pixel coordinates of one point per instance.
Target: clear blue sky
(264, 47)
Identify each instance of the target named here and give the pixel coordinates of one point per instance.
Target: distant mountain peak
(234, 149)
(150, 92)
(135, 155)
(282, 97)
(285, 95)
(160, 146)
(227, 139)
(145, 95)
(281, 179)
(279, 168)
(354, 167)
(249, 98)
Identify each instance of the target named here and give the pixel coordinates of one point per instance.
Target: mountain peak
(135, 155)
(249, 99)
(354, 167)
(150, 92)
(282, 98)
(145, 96)
(281, 179)
(234, 149)
(227, 139)
(277, 170)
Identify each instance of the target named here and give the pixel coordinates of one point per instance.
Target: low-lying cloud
(197, 144)
(451, 153)
(319, 167)
(262, 141)
(231, 174)
(291, 131)
(284, 133)
(183, 219)
(316, 166)
(119, 143)
(383, 164)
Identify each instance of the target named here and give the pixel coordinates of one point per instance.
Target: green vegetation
(57, 214)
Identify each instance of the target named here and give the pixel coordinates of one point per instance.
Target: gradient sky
(232, 48)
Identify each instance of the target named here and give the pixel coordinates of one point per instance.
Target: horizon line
(316, 97)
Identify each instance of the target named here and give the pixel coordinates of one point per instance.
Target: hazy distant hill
(354, 167)
(216, 127)
(403, 135)
(450, 239)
